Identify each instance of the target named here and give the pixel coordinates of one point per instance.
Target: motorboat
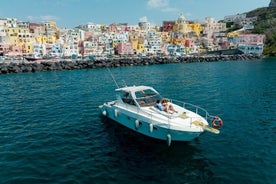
(135, 107)
(33, 57)
(38, 57)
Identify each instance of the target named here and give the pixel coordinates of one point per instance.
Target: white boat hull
(153, 125)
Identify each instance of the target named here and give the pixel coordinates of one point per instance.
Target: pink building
(125, 48)
(164, 49)
(88, 35)
(15, 51)
(37, 29)
(251, 39)
(4, 49)
(251, 44)
(225, 45)
(189, 43)
(117, 28)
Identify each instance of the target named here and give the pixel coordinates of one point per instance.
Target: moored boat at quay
(36, 57)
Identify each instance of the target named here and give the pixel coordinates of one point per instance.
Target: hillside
(266, 24)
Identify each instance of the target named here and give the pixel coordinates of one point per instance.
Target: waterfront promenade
(22, 66)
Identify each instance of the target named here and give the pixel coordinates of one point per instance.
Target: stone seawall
(7, 67)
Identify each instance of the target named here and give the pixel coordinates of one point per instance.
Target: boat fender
(104, 112)
(137, 124)
(116, 113)
(217, 122)
(151, 128)
(169, 139)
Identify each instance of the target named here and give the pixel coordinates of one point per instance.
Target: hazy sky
(70, 13)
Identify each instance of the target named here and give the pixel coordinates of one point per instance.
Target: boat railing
(194, 108)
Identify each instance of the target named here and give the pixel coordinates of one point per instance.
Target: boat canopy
(138, 95)
(135, 88)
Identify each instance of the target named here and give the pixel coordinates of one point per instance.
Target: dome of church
(181, 18)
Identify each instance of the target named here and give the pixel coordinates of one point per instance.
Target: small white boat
(36, 57)
(135, 108)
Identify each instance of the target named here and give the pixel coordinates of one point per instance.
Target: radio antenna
(112, 77)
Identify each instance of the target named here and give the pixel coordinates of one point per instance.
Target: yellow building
(184, 28)
(26, 40)
(51, 33)
(103, 27)
(134, 41)
(52, 39)
(137, 43)
(178, 41)
(233, 34)
(196, 27)
(181, 25)
(165, 37)
(28, 48)
(19, 36)
(39, 39)
(45, 39)
(12, 33)
(141, 48)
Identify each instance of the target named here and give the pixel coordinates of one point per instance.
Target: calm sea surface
(51, 130)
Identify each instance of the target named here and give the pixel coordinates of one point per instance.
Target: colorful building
(124, 49)
(251, 43)
(180, 36)
(196, 27)
(167, 26)
(181, 25)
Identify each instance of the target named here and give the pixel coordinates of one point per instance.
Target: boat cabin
(141, 96)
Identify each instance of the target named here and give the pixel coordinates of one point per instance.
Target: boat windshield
(147, 97)
(126, 97)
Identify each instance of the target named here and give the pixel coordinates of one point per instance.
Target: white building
(70, 49)
(4, 39)
(69, 38)
(153, 42)
(8, 22)
(39, 49)
(121, 37)
(144, 26)
(251, 49)
(91, 48)
(133, 28)
(232, 18)
(211, 27)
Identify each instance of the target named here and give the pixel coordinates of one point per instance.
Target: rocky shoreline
(8, 67)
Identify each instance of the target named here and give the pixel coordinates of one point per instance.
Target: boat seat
(129, 101)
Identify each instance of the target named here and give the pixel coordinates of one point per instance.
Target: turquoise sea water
(51, 130)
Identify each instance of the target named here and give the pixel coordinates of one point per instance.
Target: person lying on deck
(167, 107)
